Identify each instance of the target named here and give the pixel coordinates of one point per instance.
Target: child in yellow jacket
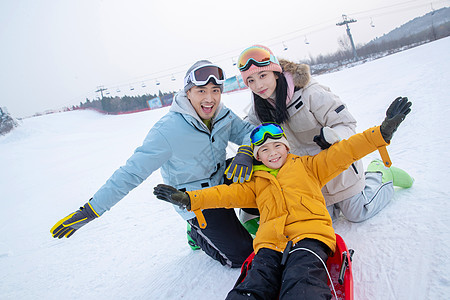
(286, 189)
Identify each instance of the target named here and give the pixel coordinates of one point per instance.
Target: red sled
(339, 268)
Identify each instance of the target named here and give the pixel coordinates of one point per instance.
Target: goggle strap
(251, 62)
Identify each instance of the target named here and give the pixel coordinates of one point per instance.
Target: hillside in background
(432, 26)
(437, 21)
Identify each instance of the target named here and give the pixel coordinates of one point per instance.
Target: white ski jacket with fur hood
(312, 107)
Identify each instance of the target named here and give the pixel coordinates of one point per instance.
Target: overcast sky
(57, 53)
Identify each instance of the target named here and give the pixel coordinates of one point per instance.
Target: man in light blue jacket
(189, 145)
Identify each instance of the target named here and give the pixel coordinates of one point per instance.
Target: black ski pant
(302, 277)
(224, 238)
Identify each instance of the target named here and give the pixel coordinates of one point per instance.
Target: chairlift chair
(306, 40)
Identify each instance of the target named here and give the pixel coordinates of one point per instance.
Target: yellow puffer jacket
(291, 205)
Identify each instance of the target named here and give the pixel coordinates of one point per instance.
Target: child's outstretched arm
(170, 194)
(329, 163)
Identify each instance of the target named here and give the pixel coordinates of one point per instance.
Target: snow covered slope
(51, 165)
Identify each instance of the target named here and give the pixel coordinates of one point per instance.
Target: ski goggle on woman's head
(264, 131)
(255, 55)
(201, 75)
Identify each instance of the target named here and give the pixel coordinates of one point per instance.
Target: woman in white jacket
(314, 118)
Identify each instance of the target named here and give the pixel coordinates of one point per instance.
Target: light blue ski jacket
(190, 156)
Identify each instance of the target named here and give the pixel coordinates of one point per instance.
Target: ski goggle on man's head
(264, 131)
(201, 75)
(257, 56)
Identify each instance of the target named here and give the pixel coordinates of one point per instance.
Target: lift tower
(346, 22)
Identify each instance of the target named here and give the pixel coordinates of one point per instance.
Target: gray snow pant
(364, 205)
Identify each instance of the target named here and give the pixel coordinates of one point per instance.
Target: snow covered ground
(51, 165)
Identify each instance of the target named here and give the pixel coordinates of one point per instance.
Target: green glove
(68, 225)
(241, 167)
(170, 194)
(395, 114)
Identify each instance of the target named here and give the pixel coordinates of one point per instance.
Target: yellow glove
(241, 168)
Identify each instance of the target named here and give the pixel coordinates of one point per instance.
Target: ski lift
(143, 84)
(173, 78)
(371, 23)
(157, 82)
(306, 40)
(285, 47)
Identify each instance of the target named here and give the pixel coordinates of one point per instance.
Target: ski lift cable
(388, 6)
(172, 75)
(391, 12)
(372, 11)
(275, 38)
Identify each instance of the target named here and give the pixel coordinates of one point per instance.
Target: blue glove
(241, 167)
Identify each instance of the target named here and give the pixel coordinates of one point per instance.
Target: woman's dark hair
(265, 111)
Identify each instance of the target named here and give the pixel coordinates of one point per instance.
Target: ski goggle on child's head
(201, 75)
(257, 56)
(264, 131)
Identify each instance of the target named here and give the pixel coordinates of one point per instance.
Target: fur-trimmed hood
(300, 72)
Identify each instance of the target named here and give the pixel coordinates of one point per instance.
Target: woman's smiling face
(263, 83)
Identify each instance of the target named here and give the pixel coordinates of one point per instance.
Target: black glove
(170, 194)
(395, 114)
(68, 225)
(241, 167)
(326, 138)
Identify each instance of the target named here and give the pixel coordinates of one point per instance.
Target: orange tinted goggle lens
(259, 55)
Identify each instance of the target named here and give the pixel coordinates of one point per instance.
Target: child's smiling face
(272, 154)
